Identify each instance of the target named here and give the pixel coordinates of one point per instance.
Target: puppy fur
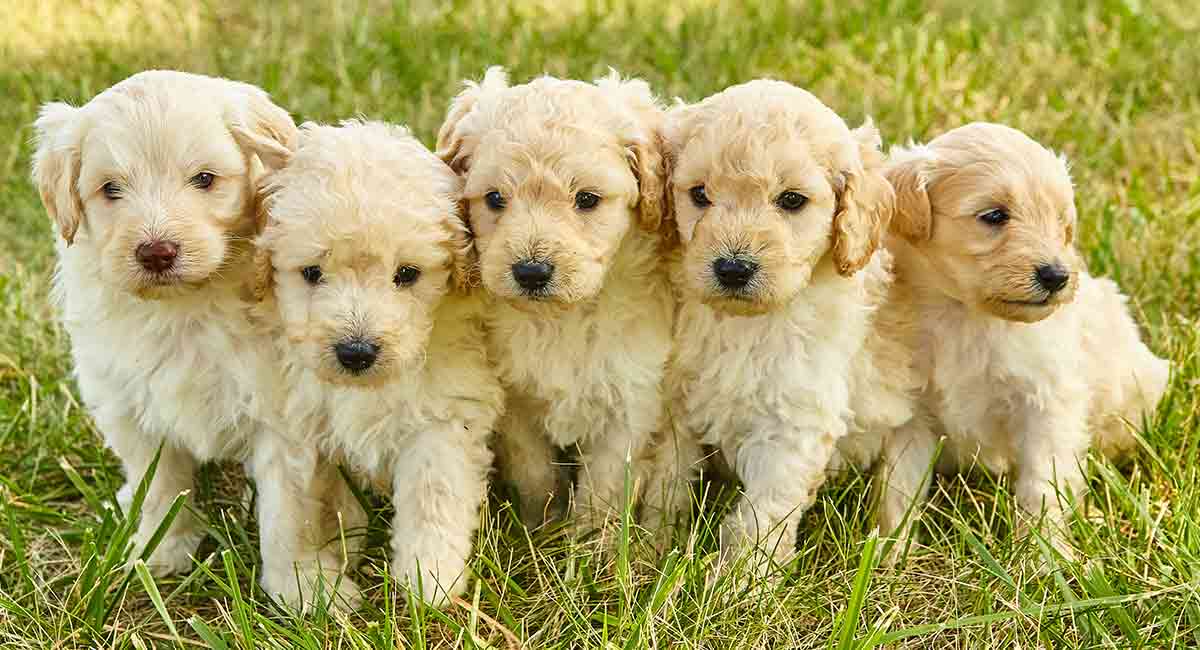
(1016, 378)
(581, 358)
(167, 355)
(377, 214)
(806, 356)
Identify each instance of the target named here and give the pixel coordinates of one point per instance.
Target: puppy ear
(908, 172)
(452, 137)
(645, 147)
(56, 167)
(865, 205)
(464, 272)
(265, 130)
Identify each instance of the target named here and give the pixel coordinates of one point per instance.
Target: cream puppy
(784, 345)
(563, 183)
(384, 354)
(153, 199)
(1025, 358)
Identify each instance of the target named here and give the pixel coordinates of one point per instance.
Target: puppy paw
(432, 589)
(304, 589)
(172, 555)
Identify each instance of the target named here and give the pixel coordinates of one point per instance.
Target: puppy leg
(1051, 454)
(902, 481)
(174, 475)
(344, 518)
(780, 473)
(439, 486)
(667, 477)
(290, 492)
(527, 461)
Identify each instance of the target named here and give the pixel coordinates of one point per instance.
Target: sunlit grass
(1110, 83)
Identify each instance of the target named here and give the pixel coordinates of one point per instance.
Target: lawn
(1110, 83)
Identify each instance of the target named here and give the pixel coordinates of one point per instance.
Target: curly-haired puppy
(1025, 358)
(153, 199)
(783, 345)
(384, 353)
(563, 182)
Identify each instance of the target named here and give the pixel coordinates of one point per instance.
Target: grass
(1111, 83)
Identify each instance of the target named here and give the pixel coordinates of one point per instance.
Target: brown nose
(157, 256)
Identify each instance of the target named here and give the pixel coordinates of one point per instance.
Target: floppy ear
(908, 172)
(451, 139)
(864, 207)
(645, 147)
(464, 272)
(267, 132)
(264, 129)
(56, 167)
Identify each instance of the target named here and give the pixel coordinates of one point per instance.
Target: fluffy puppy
(563, 183)
(153, 200)
(782, 349)
(1025, 358)
(364, 255)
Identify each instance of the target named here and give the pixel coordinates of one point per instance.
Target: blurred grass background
(1111, 83)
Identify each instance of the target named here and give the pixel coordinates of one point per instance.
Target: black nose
(733, 274)
(1052, 277)
(532, 276)
(356, 355)
(157, 256)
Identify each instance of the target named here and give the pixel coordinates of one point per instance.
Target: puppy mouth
(1044, 302)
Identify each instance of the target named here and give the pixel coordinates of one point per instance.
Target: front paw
(302, 589)
(173, 553)
(432, 587)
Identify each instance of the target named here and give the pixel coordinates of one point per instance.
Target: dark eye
(203, 180)
(586, 200)
(312, 274)
(406, 275)
(494, 200)
(699, 197)
(111, 190)
(996, 217)
(791, 201)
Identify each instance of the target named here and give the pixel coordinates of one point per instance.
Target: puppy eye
(406, 276)
(586, 200)
(995, 217)
(494, 200)
(699, 197)
(203, 180)
(312, 274)
(791, 201)
(111, 190)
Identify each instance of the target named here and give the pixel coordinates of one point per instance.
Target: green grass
(1111, 83)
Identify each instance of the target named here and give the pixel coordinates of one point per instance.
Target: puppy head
(556, 174)
(364, 240)
(993, 214)
(149, 178)
(767, 183)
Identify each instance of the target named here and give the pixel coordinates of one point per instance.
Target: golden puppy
(384, 355)
(563, 183)
(153, 199)
(782, 350)
(1023, 355)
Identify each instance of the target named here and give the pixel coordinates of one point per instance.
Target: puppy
(153, 200)
(785, 347)
(563, 185)
(386, 367)
(1025, 358)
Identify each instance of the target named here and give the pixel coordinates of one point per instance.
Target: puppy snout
(1052, 277)
(532, 275)
(157, 256)
(356, 355)
(734, 273)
